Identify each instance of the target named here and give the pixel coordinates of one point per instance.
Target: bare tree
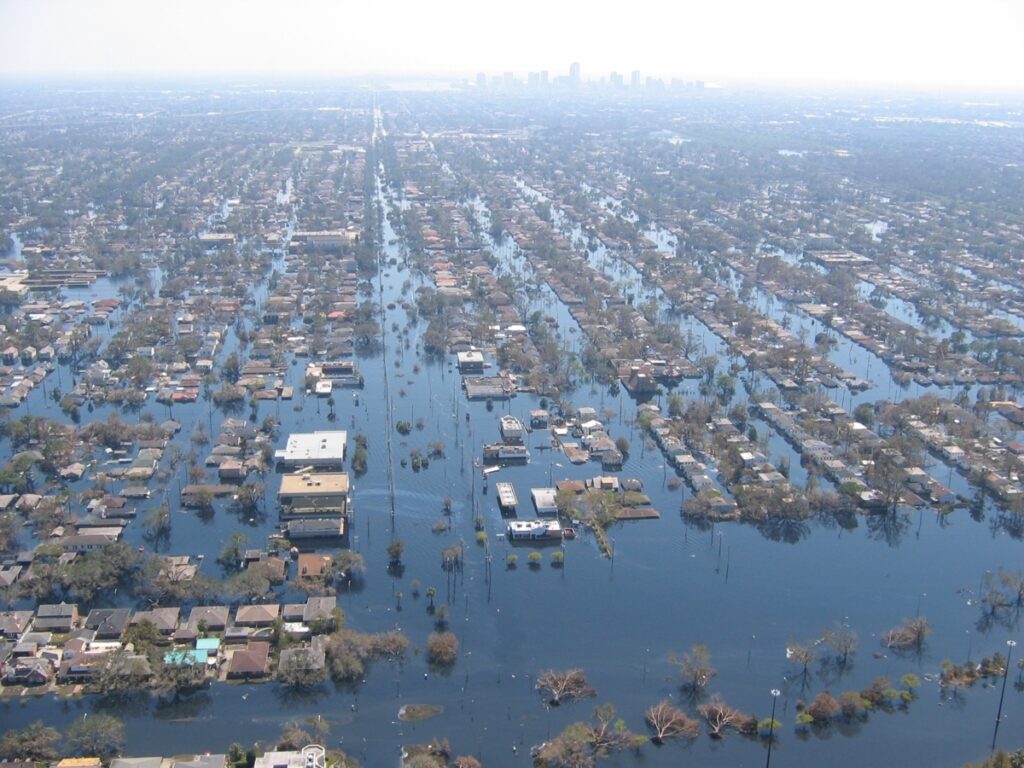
(908, 635)
(801, 655)
(609, 733)
(720, 716)
(569, 685)
(696, 668)
(667, 720)
(843, 640)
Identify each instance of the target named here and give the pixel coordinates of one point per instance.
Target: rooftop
(314, 482)
(314, 449)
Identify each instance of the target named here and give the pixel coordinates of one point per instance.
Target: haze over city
(941, 44)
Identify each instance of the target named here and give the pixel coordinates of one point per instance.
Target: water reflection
(784, 529)
(889, 527)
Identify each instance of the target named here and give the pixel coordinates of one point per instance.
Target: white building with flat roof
(470, 361)
(545, 500)
(319, 450)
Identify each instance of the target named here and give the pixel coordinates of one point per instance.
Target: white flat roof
(314, 448)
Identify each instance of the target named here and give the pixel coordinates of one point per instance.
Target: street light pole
(1010, 645)
(771, 727)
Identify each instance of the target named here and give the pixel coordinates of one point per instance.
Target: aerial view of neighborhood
(551, 419)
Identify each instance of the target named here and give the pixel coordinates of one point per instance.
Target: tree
(609, 734)
(249, 499)
(843, 641)
(1001, 759)
(157, 522)
(667, 721)
(347, 565)
(565, 501)
(395, 550)
(581, 744)
(8, 532)
(442, 648)
(696, 668)
(100, 570)
(202, 500)
(824, 708)
(300, 669)
(569, 749)
(230, 557)
(125, 673)
(294, 736)
(801, 655)
(853, 704)
(178, 679)
(35, 742)
(720, 716)
(675, 405)
(911, 681)
(231, 369)
(568, 685)
(865, 414)
(908, 635)
(250, 584)
(95, 735)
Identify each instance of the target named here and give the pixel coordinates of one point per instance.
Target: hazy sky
(961, 43)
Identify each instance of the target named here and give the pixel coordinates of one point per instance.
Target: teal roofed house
(186, 658)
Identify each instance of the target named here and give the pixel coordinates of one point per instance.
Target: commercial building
(318, 450)
(314, 494)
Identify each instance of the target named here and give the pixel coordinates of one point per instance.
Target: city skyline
(793, 42)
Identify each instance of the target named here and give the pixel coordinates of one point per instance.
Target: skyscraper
(574, 73)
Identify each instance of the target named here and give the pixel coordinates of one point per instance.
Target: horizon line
(467, 79)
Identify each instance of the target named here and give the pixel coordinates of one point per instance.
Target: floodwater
(743, 591)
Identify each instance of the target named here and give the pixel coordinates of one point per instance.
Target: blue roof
(186, 657)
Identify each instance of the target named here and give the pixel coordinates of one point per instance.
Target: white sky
(946, 43)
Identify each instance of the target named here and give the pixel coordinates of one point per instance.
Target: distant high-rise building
(634, 79)
(481, 80)
(533, 79)
(574, 73)
(543, 78)
(616, 80)
(508, 79)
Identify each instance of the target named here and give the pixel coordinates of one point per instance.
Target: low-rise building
(58, 617)
(314, 494)
(317, 450)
